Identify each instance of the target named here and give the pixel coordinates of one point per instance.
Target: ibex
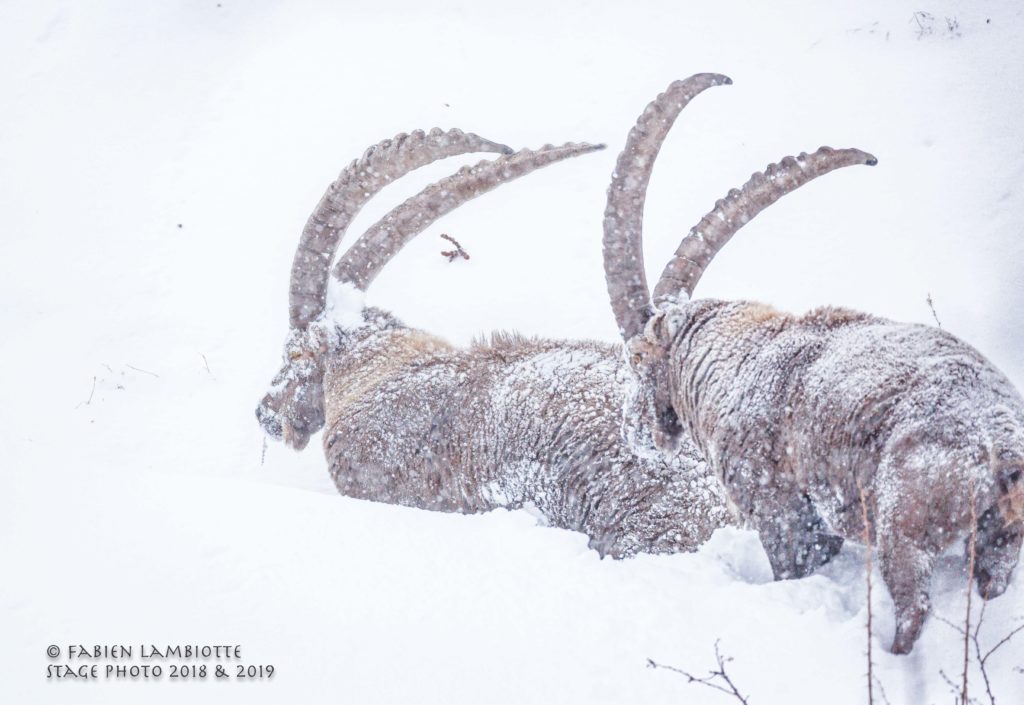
(831, 425)
(412, 420)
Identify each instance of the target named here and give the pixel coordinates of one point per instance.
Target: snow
(344, 305)
(138, 502)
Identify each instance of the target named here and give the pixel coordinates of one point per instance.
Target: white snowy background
(158, 161)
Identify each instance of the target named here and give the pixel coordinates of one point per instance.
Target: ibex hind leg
(914, 515)
(907, 571)
(794, 536)
(996, 552)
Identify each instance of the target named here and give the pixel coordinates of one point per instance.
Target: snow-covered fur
(802, 418)
(411, 420)
(508, 422)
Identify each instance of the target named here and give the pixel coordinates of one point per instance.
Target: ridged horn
(383, 240)
(702, 243)
(624, 213)
(358, 182)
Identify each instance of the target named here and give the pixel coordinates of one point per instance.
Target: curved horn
(623, 216)
(380, 165)
(364, 260)
(731, 213)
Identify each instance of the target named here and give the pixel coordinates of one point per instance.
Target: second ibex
(814, 422)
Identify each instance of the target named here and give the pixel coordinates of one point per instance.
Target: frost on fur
(804, 419)
(507, 422)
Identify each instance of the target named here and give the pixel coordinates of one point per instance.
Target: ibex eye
(294, 355)
(636, 359)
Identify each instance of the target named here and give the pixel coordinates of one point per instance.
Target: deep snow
(158, 162)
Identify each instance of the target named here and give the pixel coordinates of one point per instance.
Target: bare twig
(206, 363)
(977, 651)
(931, 305)
(881, 690)
(452, 255)
(137, 369)
(971, 555)
(951, 625)
(869, 547)
(972, 637)
(1002, 642)
(711, 679)
(263, 453)
(982, 659)
(924, 21)
(953, 687)
(88, 401)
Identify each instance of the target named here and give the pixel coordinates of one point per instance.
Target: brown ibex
(804, 418)
(412, 420)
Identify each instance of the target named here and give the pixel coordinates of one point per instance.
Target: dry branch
(88, 401)
(868, 549)
(931, 305)
(714, 679)
(452, 255)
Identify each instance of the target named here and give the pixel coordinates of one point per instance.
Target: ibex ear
(663, 326)
(655, 326)
(673, 323)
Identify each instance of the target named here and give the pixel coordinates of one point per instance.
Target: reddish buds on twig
(452, 255)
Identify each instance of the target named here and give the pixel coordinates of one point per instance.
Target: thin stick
(457, 252)
(931, 305)
(137, 369)
(88, 401)
(881, 691)
(970, 585)
(205, 363)
(708, 680)
(952, 687)
(867, 569)
(1004, 640)
(977, 651)
(983, 659)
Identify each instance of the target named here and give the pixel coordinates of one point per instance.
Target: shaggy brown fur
(411, 420)
(803, 417)
(797, 414)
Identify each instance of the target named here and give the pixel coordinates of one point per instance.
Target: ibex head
(651, 401)
(650, 325)
(293, 409)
